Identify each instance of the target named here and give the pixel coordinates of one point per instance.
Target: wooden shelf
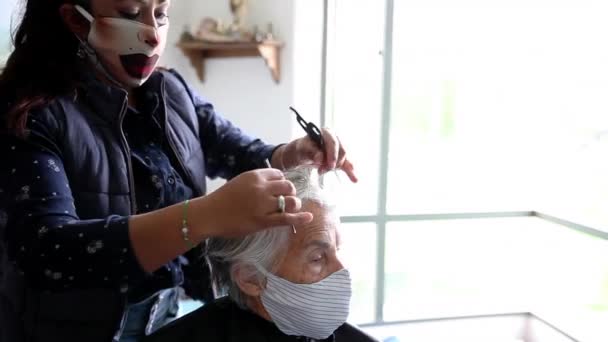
(199, 51)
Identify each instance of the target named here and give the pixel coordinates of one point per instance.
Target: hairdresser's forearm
(157, 236)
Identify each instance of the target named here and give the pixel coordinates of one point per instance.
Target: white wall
(242, 89)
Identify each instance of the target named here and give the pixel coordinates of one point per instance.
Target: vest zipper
(126, 148)
(170, 140)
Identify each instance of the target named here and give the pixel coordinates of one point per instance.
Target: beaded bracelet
(185, 230)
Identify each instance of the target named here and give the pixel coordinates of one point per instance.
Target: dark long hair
(43, 65)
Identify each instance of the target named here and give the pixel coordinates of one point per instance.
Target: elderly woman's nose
(337, 265)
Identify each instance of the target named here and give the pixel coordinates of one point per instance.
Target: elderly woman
(283, 284)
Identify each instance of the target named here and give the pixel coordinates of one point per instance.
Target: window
(496, 100)
(355, 94)
(7, 8)
(355, 238)
(471, 122)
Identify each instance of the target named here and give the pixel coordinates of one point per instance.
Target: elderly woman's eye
(317, 258)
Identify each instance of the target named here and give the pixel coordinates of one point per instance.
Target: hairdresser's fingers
(349, 169)
(269, 174)
(289, 219)
(281, 187)
(332, 149)
(292, 204)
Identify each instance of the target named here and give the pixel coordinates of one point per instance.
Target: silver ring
(281, 200)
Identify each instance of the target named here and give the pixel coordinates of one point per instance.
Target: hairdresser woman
(102, 178)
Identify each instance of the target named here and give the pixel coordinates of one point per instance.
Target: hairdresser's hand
(304, 151)
(249, 203)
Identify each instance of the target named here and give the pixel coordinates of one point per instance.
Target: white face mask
(126, 50)
(312, 310)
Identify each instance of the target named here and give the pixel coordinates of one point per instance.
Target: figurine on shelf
(215, 31)
(269, 32)
(238, 28)
(211, 30)
(239, 12)
(258, 35)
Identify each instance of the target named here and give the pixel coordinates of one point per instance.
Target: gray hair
(261, 249)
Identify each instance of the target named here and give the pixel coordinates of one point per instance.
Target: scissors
(313, 132)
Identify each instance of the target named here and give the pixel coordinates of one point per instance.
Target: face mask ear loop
(90, 52)
(267, 274)
(83, 44)
(89, 18)
(84, 13)
(262, 270)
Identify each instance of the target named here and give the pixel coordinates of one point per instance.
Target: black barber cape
(223, 321)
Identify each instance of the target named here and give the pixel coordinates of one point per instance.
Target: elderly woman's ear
(245, 278)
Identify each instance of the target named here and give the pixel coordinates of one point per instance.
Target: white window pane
(494, 103)
(354, 95)
(488, 266)
(358, 253)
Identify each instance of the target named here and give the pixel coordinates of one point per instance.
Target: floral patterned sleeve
(45, 237)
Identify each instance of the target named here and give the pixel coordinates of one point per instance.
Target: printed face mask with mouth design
(126, 50)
